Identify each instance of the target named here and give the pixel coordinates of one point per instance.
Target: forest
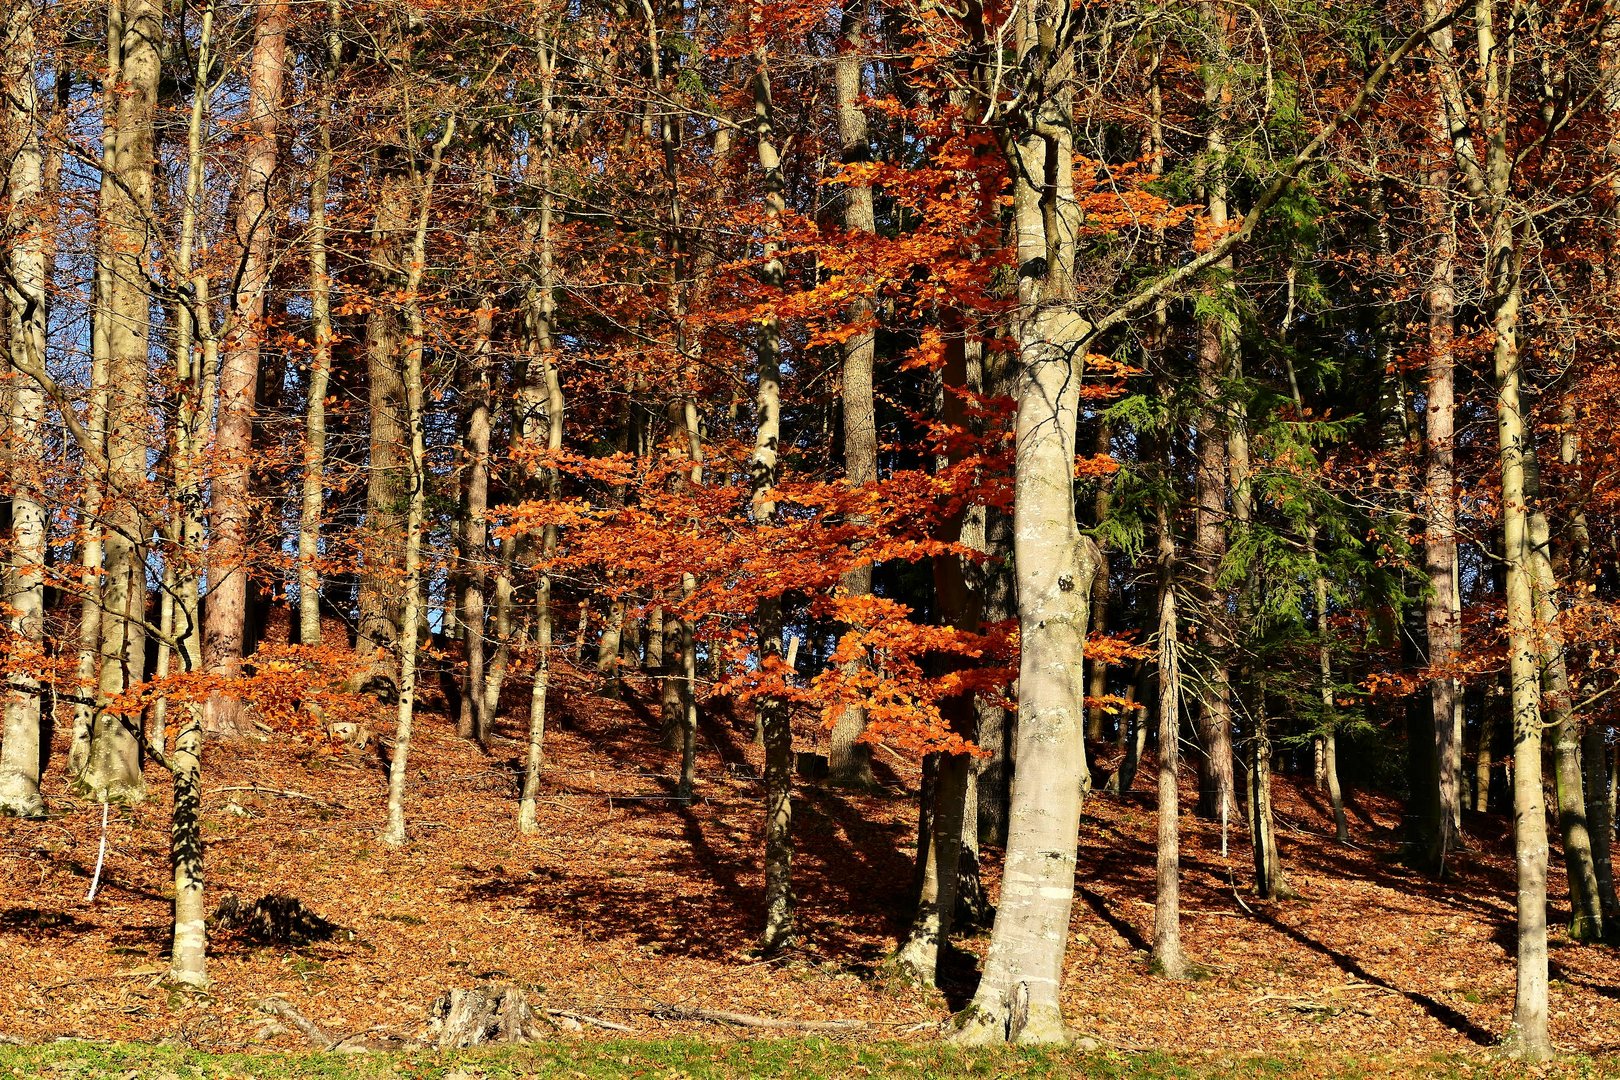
(928, 524)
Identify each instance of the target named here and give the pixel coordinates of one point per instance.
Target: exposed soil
(628, 901)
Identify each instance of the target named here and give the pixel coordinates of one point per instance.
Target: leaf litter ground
(628, 905)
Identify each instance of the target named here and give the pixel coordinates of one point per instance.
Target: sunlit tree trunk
(541, 404)
(225, 614)
(472, 723)
(1558, 705)
(92, 530)
(195, 356)
(1168, 957)
(687, 643)
(1017, 999)
(394, 833)
(773, 714)
(30, 222)
(1443, 605)
(313, 488)
(113, 768)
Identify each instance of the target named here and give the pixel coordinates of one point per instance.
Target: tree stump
(488, 1013)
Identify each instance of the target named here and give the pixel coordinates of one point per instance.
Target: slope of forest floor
(628, 905)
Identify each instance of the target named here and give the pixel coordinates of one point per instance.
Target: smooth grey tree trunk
(1018, 995)
(25, 305)
(112, 770)
(541, 404)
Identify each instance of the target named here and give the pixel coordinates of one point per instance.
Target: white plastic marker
(101, 857)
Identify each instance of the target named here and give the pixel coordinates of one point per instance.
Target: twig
(598, 1022)
(720, 1016)
(137, 973)
(1363, 986)
(312, 1031)
(279, 791)
(1232, 878)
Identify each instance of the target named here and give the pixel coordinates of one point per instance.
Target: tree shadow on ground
(694, 887)
(1437, 1009)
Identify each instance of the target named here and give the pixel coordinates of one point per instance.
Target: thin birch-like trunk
(541, 402)
(688, 642)
(1326, 744)
(472, 721)
(774, 727)
(394, 833)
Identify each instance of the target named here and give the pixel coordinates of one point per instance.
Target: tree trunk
(393, 833)
(1586, 909)
(1096, 716)
(92, 544)
(1443, 605)
(225, 613)
(849, 760)
(1594, 762)
(541, 405)
(313, 489)
(687, 644)
(1482, 760)
(1017, 999)
(995, 726)
(773, 713)
(1168, 959)
(25, 302)
(1269, 882)
(378, 634)
(930, 931)
(189, 949)
(196, 353)
(113, 768)
(959, 606)
(472, 722)
(1326, 744)
(1216, 347)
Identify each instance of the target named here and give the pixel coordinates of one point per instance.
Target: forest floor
(628, 906)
